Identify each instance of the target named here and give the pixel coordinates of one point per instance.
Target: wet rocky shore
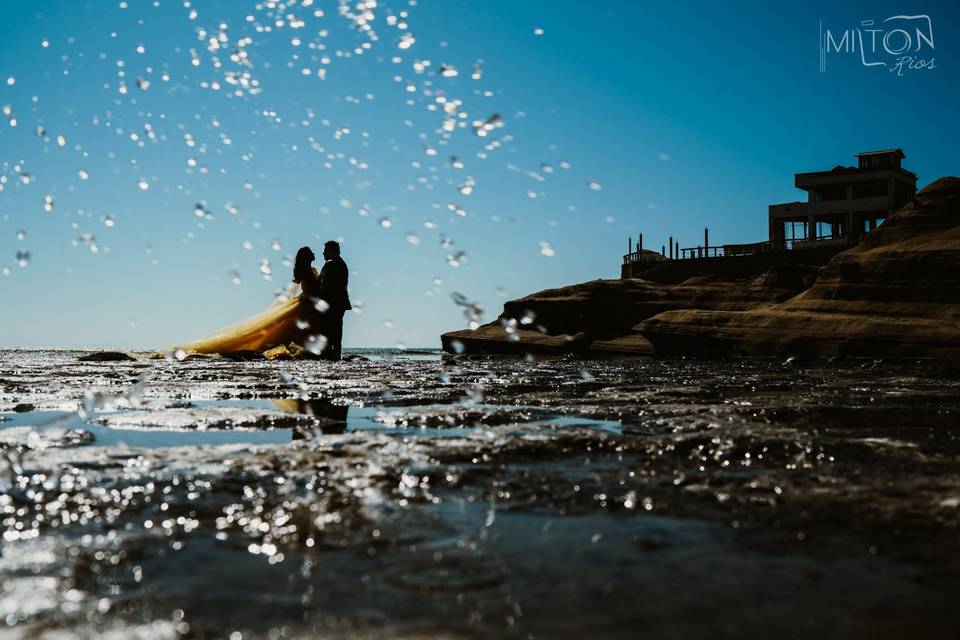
(473, 497)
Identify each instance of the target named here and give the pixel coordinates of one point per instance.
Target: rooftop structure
(843, 205)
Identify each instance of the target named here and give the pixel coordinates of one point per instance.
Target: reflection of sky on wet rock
(420, 512)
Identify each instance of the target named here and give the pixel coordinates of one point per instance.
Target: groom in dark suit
(333, 285)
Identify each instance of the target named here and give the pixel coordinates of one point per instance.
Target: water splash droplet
(406, 41)
(316, 344)
(594, 184)
(143, 184)
(386, 222)
(234, 277)
(83, 174)
(266, 270)
(547, 249)
(23, 258)
(467, 187)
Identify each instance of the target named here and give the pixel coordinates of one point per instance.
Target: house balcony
(829, 207)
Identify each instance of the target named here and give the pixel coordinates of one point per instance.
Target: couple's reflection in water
(331, 418)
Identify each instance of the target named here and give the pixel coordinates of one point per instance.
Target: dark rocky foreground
(474, 498)
(896, 295)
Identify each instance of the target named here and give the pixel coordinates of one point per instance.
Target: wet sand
(473, 498)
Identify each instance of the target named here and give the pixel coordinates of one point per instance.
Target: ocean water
(412, 494)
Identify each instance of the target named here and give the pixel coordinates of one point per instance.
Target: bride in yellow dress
(288, 327)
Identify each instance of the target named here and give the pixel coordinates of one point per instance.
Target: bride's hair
(302, 263)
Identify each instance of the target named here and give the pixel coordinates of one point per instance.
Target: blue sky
(686, 114)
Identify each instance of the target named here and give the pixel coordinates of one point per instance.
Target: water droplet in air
(179, 354)
(83, 174)
(448, 71)
(594, 184)
(143, 83)
(405, 42)
(21, 234)
(48, 203)
(108, 221)
(316, 344)
(275, 245)
(483, 127)
(265, 270)
(388, 324)
(457, 346)
(413, 239)
(5, 270)
(386, 223)
(247, 245)
(11, 81)
(467, 187)
(547, 249)
(23, 258)
(538, 31)
(234, 277)
(40, 131)
(143, 184)
(456, 259)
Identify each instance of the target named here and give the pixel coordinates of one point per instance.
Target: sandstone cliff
(895, 295)
(598, 317)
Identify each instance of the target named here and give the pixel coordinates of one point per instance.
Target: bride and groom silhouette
(308, 324)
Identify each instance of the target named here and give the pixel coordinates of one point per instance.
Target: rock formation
(598, 317)
(897, 294)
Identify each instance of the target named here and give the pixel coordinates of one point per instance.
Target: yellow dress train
(275, 327)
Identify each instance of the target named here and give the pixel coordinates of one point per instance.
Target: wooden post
(640, 245)
(706, 240)
(663, 250)
(677, 253)
(671, 247)
(629, 246)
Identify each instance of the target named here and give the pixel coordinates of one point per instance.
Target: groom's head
(331, 249)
